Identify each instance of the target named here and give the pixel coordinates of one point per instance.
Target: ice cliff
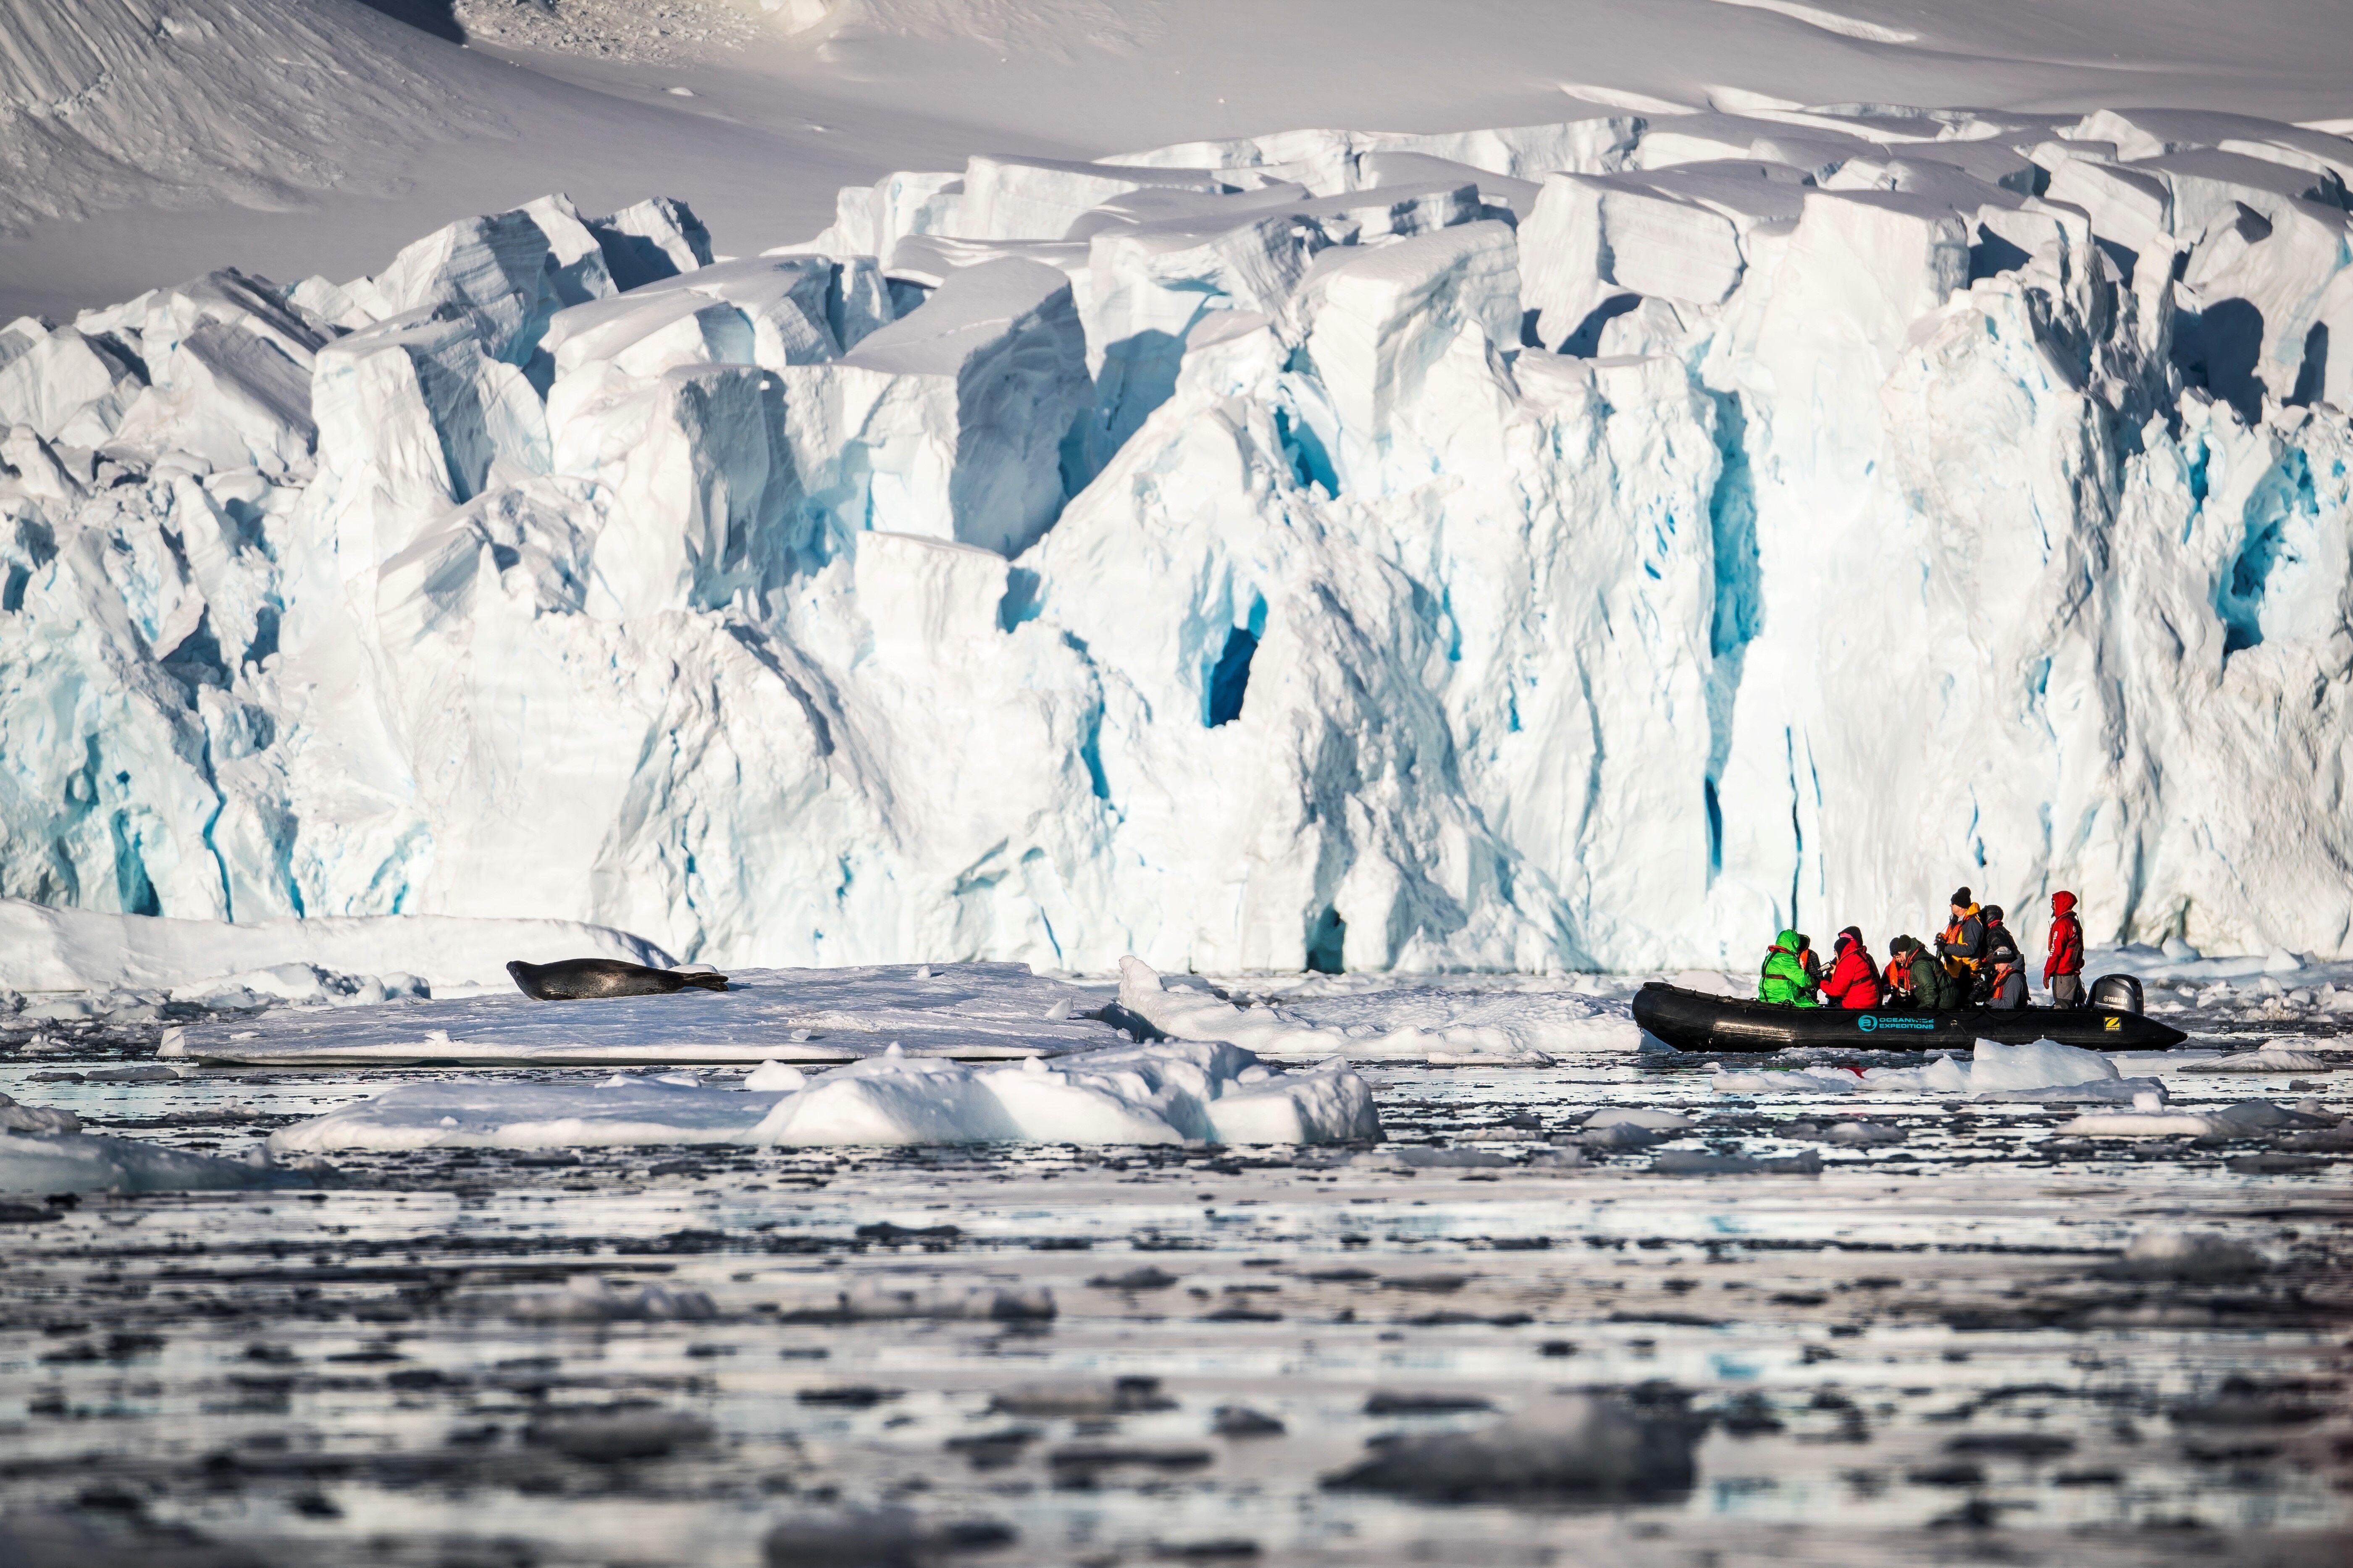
(1586, 544)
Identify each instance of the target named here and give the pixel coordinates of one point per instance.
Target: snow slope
(296, 136)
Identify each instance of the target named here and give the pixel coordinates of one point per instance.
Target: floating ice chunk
(2192, 1255)
(2039, 1064)
(1322, 1105)
(1995, 1068)
(876, 1301)
(1638, 1116)
(2272, 1057)
(2142, 1093)
(591, 1299)
(773, 1077)
(479, 1114)
(90, 1162)
(991, 1012)
(2244, 1120)
(1778, 1081)
(1191, 1016)
(1150, 1094)
(1562, 1447)
(892, 1099)
(35, 1119)
(1699, 1162)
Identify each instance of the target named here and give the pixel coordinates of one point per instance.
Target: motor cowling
(2118, 991)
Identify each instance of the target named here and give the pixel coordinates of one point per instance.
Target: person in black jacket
(1963, 948)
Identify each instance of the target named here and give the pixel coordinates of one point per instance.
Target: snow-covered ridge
(1566, 545)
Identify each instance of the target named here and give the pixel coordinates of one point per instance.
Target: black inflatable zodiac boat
(1695, 1021)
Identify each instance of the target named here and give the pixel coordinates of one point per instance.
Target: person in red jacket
(1854, 980)
(2062, 971)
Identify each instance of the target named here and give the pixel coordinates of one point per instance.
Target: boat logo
(1868, 1022)
(2111, 1024)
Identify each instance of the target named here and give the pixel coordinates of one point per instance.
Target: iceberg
(1332, 550)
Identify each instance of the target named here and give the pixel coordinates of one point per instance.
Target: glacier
(1578, 546)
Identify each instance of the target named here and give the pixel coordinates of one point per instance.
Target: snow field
(1088, 481)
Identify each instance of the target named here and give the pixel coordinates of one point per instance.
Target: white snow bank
(1389, 1023)
(47, 949)
(1145, 1094)
(973, 1011)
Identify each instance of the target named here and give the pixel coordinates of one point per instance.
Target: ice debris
(1169, 1093)
(44, 1151)
(2247, 1118)
(1993, 1069)
(1566, 1447)
(591, 1299)
(2190, 1255)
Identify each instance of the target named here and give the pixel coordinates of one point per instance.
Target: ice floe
(971, 1011)
(1173, 1092)
(45, 1151)
(2039, 1070)
(1378, 1018)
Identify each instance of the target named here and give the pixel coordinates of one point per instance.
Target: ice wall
(1594, 544)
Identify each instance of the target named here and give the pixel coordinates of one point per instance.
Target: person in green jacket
(1785, 978)
(1915, 982)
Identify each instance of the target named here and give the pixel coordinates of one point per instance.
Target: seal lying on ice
(576, 978)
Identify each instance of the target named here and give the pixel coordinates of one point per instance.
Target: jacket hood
(2062, 903)
(1787, 941)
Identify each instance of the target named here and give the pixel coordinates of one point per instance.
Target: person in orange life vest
(2062, 971)
(1963, 948)
(1997, 938)
(1915, 982)
(2005, 975)
(1854, 980)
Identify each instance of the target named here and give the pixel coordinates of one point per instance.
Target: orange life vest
(1960, 968)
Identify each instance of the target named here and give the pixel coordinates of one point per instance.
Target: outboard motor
(2119, 992)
